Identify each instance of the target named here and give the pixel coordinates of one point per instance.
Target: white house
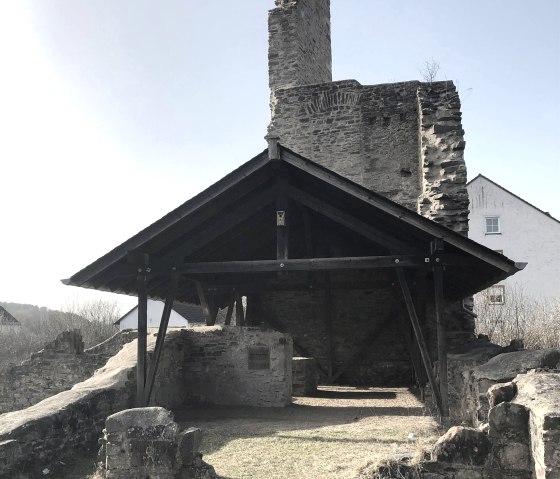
(182, 316)
(506, 223)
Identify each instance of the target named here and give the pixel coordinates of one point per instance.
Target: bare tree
(519, 316)
(430, 70)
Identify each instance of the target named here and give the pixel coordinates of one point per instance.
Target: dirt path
(331, 436)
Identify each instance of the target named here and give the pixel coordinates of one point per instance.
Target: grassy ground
(335, 435)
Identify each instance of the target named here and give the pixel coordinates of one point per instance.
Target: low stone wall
(500, 369)
(46, 432)
(56, 368)
(225, 365)
(217, 365)
(304, 376)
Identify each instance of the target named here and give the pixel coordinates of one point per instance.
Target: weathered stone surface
(540, 394)
(44, 433)
(62, 363)
(462, 358)
(304, 376)
(210, 364)
(500, 369)
(509, 421)
(501, 392)
(146, 442)
(462, 445)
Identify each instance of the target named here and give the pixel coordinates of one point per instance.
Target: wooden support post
(152, 370)
(231, 305)
(282, 231)
(419, 338)
(414, 356)
(206, 303)
(327, 319)
(437, 246)
(239, 313)
(142, 337)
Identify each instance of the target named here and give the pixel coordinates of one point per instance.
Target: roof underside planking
(227, 237)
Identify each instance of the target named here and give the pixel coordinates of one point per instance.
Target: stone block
(188, 445)
(463, 446)
(509, 421)
(501, 392)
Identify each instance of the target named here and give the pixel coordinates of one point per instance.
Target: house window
(496, 294)
(492, 225)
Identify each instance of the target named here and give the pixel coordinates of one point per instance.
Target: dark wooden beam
(306, 264)
(419, 337)
(208, 308)
(437, 246)
(220, 225)
(413, 351)
(239, 313)
(229, 312)
(142, 339)
(366, 230)
(308, 232)
(282, 230)
(152, 370)
(327, 321)
(400, 212)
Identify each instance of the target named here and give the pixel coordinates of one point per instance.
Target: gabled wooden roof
(235, 220)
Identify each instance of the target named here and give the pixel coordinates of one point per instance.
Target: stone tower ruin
(402, 140)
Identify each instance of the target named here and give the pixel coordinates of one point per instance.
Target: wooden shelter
(287, 233)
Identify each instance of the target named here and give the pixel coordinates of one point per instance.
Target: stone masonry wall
(225, 365)
(368, 134)
(57, 367)
(43, 434)
(210, 364)
(402, 140)
(386, 361)
(299, 43)
(444, 196)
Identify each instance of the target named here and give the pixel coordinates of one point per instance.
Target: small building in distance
(506, 223)
(7, 321)
(183, 315)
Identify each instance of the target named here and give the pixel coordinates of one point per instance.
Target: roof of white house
(191, 312)
(546, 213)
(6, 319)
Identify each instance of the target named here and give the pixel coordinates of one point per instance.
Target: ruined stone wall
(368, 134)
(444, 197)
(354, 316)
(299, 43)
(61, 364)
(43, 434)
(402, 140)
(225, 366)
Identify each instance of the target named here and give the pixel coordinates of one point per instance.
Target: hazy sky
(112, 113)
